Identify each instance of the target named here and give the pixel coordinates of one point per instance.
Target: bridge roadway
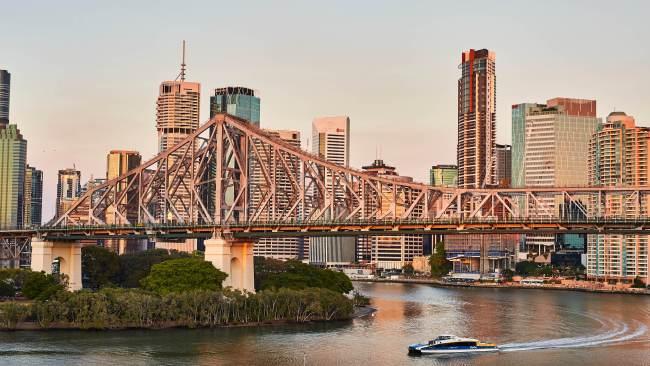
(639, 225)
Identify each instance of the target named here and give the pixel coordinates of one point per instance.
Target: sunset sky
(85, 74)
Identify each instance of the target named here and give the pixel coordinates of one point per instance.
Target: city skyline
(429, 75)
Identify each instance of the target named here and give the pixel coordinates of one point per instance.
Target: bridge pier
(235, 258)
(68, 254)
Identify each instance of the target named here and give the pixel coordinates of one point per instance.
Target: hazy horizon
(85, 75)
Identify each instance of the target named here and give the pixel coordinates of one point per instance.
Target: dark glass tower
(5, 83)
(237, 101)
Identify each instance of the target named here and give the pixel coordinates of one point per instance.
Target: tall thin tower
(177, 116)
(477, 120)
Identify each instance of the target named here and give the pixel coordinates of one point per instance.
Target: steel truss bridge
(230, 177)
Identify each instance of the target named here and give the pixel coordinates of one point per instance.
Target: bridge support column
(67, 256)
(235, 258)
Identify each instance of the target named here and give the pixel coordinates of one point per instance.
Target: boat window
(456, 344)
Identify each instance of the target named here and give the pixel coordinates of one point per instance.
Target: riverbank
(136, 309)
(512, 285)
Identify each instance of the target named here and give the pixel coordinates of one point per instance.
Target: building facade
(331, 141)
(279, 247)
(389, 251)
(477, 120)
(619, 153)
(119, 162)
(443, 175)
(238, 101)
(68, 189)
(5, 87)
(177, 116)
(13, 156)
(503, 167)
(550, 149)
(33, 196)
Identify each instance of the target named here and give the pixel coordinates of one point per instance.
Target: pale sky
(85, 74)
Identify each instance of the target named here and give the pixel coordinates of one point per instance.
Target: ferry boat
(451, 344)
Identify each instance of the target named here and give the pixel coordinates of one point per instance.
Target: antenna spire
(183, 64)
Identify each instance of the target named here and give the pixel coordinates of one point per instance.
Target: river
(533, 327)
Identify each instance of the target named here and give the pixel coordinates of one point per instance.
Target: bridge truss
(230, 173)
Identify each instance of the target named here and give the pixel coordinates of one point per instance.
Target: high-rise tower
(5, 84)
(177, 109)
(177, 116)
(619, 158)
(550, 146)
(331, 141)
(13, 153)
(238, 101)
(118, 162)
(68, 189)
(477, 120)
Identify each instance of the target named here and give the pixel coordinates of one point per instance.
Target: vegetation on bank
(112, 308)
(273, 273)
(158, 289)
(527, 268)
(102, 267)
(440, 265)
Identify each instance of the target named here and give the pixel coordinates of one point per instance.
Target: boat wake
(618, 332)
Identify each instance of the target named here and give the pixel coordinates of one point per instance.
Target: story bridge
(231, 182)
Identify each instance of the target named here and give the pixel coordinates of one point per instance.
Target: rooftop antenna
(182, 74)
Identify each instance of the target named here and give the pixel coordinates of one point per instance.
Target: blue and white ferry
(451, 344)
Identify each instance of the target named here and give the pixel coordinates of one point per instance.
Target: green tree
(526, 268)
(100, 266)
(440, 265)
(408, 269)
(271, 273)
(181, 275)
(136, 266)
(41, 286)
(7, 289)
(638, 283)
(507, 274)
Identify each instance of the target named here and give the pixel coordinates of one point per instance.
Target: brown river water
(532, 327)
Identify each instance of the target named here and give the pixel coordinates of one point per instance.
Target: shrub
(181, 275)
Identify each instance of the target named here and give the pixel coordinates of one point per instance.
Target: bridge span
(231, 182)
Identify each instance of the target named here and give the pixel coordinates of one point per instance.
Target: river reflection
(534, 327)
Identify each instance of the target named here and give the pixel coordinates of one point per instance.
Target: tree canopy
(271, 273)
(183, 274)
(136, 266)
(440, 265)
(100, 266)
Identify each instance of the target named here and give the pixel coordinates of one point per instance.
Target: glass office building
(237, 101)
(443, 175)
(13, 154)
(550, 148)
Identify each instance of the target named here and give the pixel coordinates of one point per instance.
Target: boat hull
(432, 351)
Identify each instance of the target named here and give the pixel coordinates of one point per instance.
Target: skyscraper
(279, 247)
(550, 149)
(177, 116)
(619, 157)
(503, 166)
(389, 251)
(331, 141)
(5, 86)
(477, 120)
(443, 175)
(33, 196)
(237, 101)
(118, 162)
(13, 155)
(68, 189)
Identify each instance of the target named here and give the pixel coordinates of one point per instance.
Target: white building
(331, 141)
